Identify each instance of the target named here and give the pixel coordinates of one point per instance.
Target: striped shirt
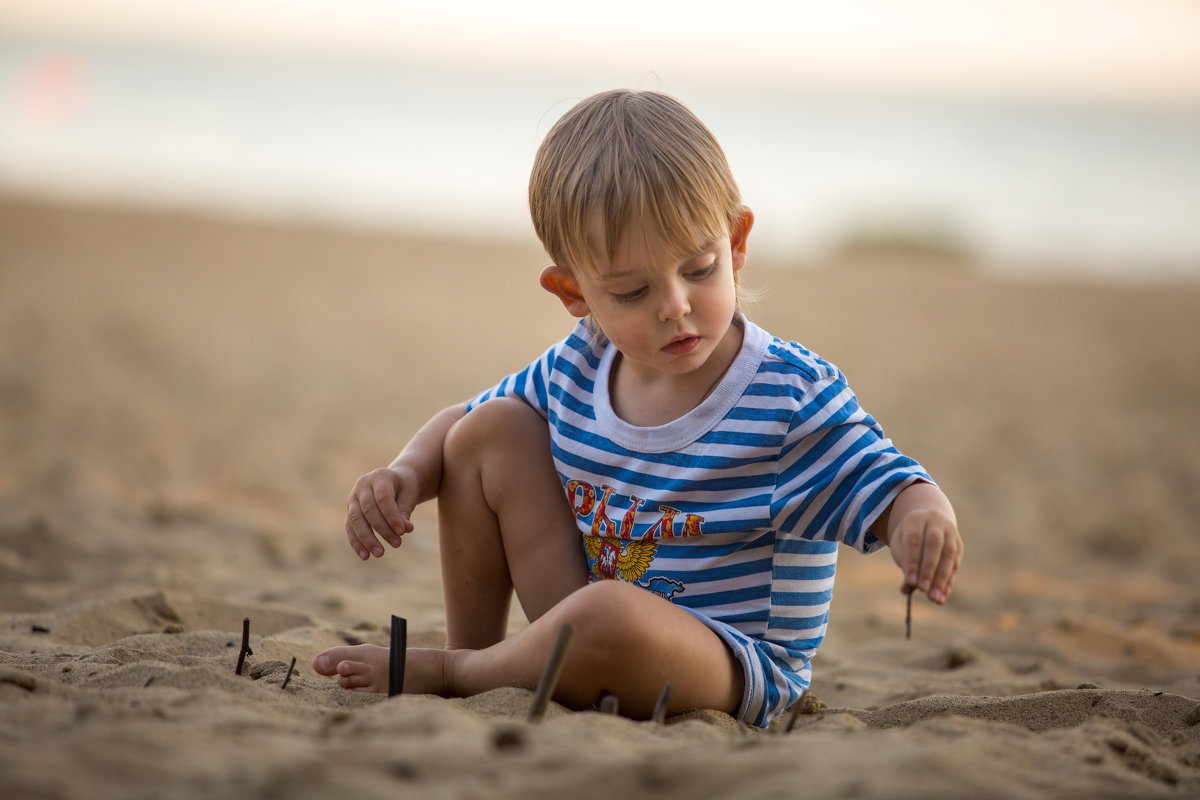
(734, 510)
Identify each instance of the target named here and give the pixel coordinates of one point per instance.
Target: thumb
(407, 497)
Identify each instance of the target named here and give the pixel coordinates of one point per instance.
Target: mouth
(682, 346)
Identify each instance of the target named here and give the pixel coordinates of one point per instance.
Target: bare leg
(628, 642)
(503, 522)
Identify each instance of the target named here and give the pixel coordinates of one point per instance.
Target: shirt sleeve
(531, 384)
(837, 472)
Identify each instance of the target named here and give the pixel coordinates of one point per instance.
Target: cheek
(622, 326)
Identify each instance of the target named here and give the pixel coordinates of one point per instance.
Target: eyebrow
(699, 251)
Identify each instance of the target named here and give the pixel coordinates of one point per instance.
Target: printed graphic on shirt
(625, 550)
(639, 519)
(627, 560)
(615, 558)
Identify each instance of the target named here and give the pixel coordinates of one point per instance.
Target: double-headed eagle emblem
(609, 559)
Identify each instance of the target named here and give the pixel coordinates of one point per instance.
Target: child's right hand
(380, 504)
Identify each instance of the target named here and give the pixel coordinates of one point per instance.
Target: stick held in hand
(908, 614)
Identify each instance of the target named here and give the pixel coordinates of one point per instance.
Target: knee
(500, 422)
(610, 619)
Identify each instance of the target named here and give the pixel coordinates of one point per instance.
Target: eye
(629, 297)
(703, 272)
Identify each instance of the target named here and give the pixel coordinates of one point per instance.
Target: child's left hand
(923, 536)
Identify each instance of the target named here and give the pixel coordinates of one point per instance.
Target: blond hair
(630, 156)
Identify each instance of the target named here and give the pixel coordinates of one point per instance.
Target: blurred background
(1034, 136)
(247, 248)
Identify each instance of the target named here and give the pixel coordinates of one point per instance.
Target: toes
(348, 668)
(324, 665)
(354, 675)
(357, 667)
(327, 661)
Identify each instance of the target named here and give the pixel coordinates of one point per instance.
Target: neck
(652, 398)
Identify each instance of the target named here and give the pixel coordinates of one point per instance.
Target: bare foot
(364, 668)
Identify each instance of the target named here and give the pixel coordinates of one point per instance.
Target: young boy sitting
(669, 478)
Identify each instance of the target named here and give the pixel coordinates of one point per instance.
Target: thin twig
(246, 651)
(908, 604)
(288, 677)
(550, 675)
(397, 655)
(794, 715)
(660, 708)
(908, 614)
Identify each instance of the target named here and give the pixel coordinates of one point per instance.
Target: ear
(559, 283)
(737, 239)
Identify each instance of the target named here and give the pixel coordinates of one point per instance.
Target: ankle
(451, 661)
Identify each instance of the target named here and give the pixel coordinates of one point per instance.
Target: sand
(185, 402)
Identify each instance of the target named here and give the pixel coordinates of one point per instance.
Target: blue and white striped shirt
(734, 510)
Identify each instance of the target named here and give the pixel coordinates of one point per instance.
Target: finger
(397, 522)
(910, 537)
(369, 504)
(358, 532)
(954, 573)
(943, 578)
(933, 539)
(958, 558)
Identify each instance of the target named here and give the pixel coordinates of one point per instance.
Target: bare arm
(382, 501)
(920, 529)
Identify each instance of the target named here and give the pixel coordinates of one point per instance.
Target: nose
(675, 303)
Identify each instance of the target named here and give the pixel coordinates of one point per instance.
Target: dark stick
(908, 603)
(908, 614)
(245, 651)
(288, 677)
(399, 651)
(550, 675)
(794, 715)
(660, 708)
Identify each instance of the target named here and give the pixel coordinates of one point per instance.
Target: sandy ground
(184, 404)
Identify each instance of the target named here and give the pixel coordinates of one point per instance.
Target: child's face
(665, 312)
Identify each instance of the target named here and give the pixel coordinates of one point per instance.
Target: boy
(709, 469)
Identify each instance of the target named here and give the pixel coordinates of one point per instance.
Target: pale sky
(1142, 51)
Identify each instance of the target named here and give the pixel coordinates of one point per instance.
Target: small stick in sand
(396, 657)
(795, 714)
(554, 666)
(908, 614)
(660, 708)
(246, 651)
(288, 677)
(609, 704)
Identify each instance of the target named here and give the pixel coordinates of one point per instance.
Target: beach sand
(185, 403)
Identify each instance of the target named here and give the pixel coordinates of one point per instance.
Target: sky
(1120, 51)
(1079, 140)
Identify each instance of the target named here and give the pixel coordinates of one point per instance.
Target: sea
(1031, 188)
